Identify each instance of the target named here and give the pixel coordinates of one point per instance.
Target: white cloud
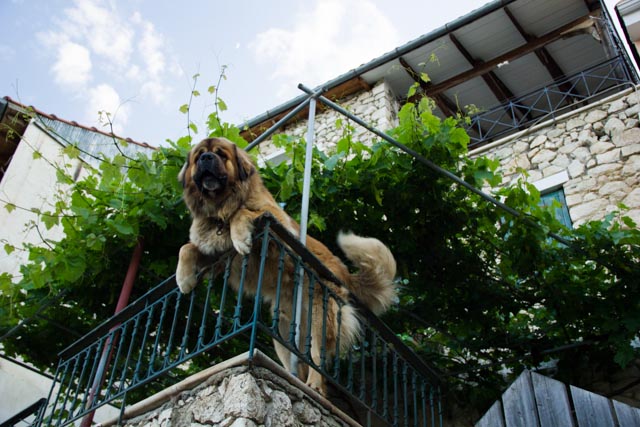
(100, 52)
(107, 34)
(150, 47)
(156, 91)
(102, 100)
(335, 36)
(73, 65)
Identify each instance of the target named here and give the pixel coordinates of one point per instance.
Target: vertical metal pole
(123, 300)
(304, 215)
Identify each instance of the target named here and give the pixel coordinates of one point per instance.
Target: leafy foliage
(482, 292)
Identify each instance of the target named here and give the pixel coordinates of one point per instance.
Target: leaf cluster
(482, 293)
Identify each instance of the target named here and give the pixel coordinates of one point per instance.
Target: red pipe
(123, 300)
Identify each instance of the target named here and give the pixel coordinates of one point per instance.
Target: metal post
(105, 358)
(438, 169)
(266, 134)
(304, 215)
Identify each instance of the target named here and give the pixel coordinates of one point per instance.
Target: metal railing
(549, 101)
(165, 333)
(23, 417)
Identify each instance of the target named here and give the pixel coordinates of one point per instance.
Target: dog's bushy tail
(372, 284)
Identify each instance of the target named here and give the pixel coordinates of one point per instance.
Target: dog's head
(215, 167)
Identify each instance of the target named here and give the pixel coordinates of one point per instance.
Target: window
(562, 212)
(551, 189)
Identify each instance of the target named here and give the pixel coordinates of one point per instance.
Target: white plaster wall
(21, 387)
(29, 183)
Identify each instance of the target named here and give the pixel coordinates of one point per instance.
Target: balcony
(166, 336)
(550, 101)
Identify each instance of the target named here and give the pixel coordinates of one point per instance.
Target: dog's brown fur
(225, 201)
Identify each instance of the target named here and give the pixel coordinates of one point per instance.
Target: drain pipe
(105, 358)
(304, 215)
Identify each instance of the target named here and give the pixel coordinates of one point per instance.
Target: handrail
(164, 329)
(33, 409)
(532, 102)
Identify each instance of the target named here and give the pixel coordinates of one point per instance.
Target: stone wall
(377, 107)
(238, 393)
(596, 148)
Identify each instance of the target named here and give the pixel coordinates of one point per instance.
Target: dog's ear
(183, 172)
(243, 163)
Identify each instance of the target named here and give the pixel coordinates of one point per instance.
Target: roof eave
(381, 60)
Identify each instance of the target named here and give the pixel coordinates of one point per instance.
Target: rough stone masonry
(598, 147)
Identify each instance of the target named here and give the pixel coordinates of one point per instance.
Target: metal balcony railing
(549, 101)
(165, 334)
(26, 416)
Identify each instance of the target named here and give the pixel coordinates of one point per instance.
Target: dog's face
(214, 169)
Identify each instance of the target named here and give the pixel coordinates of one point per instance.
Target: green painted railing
(550, 101)
(165, 336)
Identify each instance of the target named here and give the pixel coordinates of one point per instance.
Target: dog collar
(220, 224)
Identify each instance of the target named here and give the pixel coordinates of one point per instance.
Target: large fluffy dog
(225, 194)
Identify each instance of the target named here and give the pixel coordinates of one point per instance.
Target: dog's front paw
(317, 383)
(186, 269)
(241, 237)
(243, 246)
(186, 281)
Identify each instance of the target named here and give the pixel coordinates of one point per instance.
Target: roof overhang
(504, 49)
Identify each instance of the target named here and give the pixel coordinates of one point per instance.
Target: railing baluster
(363, 375)
(596, 80)
(145, 334)
(205, 314)
(223, 298)
(310, 304)
(323, 343)
(396, 409)
(374, 361)
(137, 351)
(238, 310)
(156, 344)
(174, 325)
(275, 321)
(114, 365)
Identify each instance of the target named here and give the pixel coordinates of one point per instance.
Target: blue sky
(136, 59)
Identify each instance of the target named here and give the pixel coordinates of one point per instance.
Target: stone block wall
(377, 107)
(596, 148)
(238, 393)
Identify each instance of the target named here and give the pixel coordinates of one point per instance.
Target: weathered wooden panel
(519, 403)
(534, 400)
(552, 401)
(628, 416)
(493, 417)
(592, 410)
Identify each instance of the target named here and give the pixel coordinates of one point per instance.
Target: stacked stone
(377, 106)
(599, 148)
(241, 397)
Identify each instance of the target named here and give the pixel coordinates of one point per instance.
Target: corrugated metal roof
(92, 142)
(93, 145)
(486, 34)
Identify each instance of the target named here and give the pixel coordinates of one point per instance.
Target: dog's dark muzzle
(210, 174)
